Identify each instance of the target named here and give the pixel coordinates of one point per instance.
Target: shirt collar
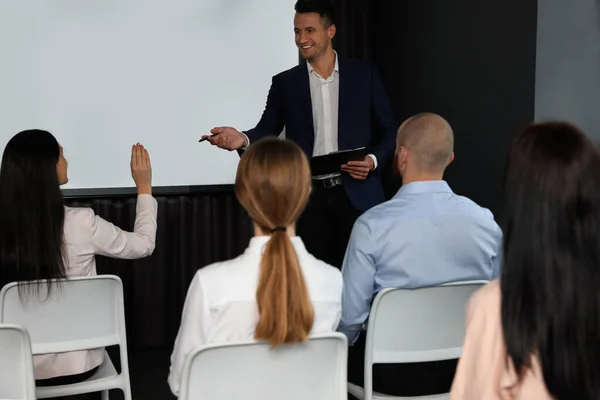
(257, 244)
(424, 187)
(336, 67)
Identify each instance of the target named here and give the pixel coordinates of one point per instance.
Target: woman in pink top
(41, 239)
(535, 334)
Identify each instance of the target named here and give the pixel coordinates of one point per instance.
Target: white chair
(414, 325)
(313, 370)
(81, 313)
(16, 366)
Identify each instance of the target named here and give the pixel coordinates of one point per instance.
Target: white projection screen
(102, 75)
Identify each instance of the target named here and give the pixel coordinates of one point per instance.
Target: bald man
(424, 236)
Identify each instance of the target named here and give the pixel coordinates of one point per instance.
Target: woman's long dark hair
(551, 275)
(31, 210)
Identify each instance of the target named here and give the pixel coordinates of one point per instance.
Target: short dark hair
(551, 271)
(324, 8)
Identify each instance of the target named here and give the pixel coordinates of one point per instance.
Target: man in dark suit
(326, 104)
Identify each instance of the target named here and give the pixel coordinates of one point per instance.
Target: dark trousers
(69, 380)
(327, 222)
(416, 379)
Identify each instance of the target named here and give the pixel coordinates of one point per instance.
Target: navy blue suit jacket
(365, 119)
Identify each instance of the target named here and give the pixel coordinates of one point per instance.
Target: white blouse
(221, 302)
(85, 235)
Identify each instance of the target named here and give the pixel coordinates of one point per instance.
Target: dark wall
(472, 61)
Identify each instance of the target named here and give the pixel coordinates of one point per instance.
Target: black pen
(206, 138)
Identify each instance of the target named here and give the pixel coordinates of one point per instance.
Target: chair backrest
(16, 366)
(81, 313)
(313, 370)
(418, 325)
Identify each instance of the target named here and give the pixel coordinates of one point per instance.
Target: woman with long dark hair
(275, 291)
(535, 334)
(41, 239)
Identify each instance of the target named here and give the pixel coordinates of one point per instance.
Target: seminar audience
(424, 236)
(275, 291)
(41, 239)
(534, 334)
(531, 335)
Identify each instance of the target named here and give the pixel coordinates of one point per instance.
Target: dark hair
(31, 210)
(550, 280)
(273, 185)
(324, 8)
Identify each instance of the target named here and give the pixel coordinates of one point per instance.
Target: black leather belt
(329, 182)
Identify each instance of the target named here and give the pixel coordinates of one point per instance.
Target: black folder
(332, 162)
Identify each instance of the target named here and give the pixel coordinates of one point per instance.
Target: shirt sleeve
(244, 147)
(374, 158)
(192, 333)
(358, 271)
(497, 255)
(497, 262)
(111, 241)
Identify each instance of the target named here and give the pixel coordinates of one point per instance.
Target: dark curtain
(354, 21)
(357, 35)
(193, 231)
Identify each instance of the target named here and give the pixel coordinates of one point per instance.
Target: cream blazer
(85, 235)
(482, 372)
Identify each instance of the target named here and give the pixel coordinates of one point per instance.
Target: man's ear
(450, 159)
(402, 154)
(331, 31)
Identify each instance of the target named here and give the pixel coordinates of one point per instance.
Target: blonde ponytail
(273, 184)
(286, 312)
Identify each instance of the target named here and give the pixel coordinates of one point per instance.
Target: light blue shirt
(424, 236)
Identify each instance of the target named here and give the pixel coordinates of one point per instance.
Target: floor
(149, 371)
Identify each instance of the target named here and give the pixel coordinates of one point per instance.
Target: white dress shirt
(221, 302)
(85, 235)
(324, 95)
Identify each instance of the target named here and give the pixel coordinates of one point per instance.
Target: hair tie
(278, 229)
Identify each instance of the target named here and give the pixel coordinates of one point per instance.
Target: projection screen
(102, 75)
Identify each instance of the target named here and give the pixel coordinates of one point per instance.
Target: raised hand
(141, 169)
(226, 137)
